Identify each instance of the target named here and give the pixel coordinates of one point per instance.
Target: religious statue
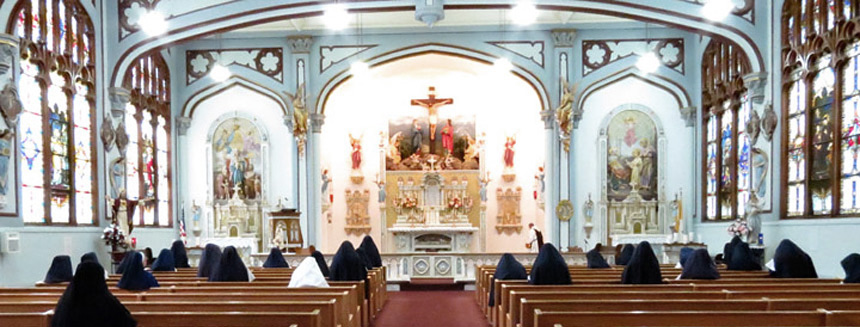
(483, 182)
(300, 116)
(540, 184)
(355, 143)
(448, 138)
(510, 142)
(393, 152)
(564, 110)
(117, 175)
(417, 137)
(471, 152)
(381, 193)
(432, 105)
(122, 209)
(326, 180)
(678, 209)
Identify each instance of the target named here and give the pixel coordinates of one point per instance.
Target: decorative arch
(661, 82)
(235, 81)
(205, 21)
(433, 48)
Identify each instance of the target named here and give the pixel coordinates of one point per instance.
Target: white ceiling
(453, 18)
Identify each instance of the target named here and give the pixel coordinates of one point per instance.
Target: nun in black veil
(684, 255)
(124, 263)
(164, 262)
(791, 262)
(180, 255)
(851, 265)
(626, 254)
(230, 268)
(321, 262)
(134, 278)
(700, 266)
(60, 270)
(549, 268)
(275, 259)
(742, 258)
(209, 260)
(90, 256)
(365, 259)
(87, 302)
(371, 251)
(728, 249)
(347, 265)
(595, 259)
(508, 268)
(643, 267)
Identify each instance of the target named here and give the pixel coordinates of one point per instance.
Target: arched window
(726, 110)
(821, 109)
(57, 89)
(147, 122)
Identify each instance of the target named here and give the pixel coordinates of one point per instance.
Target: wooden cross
(432, 104)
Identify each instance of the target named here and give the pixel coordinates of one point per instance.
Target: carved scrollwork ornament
(108, 135)
(10, 106)
(753, 127)
(769, 122)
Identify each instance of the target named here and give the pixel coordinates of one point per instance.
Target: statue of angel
(300, 113)
(565, 107)
(393, 152)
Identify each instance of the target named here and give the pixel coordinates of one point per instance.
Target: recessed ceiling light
(648, 63)
(524, 13)
(336, 17)
(219, 73)
(152, 23)
(717, 10)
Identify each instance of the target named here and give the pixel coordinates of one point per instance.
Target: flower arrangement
(407, 202)
(739, 228)
(455, 203)
(114, 237)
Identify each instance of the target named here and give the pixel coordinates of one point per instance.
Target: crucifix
(432, 104)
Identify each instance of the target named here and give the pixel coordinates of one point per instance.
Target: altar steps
(432, 284)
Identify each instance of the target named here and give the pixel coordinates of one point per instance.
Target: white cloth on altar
(308, 274)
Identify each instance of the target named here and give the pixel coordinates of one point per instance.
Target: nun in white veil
(308, 274)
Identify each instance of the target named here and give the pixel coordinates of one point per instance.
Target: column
(9, 68)
(180, 173)
(552, 230)
(762, 119)
(305, 196)
(119, 98)
(315, 219)
(563, 42)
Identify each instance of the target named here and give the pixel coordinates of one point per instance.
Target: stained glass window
(822, 111)
(148, 164)
(58, 95)
(727, 150)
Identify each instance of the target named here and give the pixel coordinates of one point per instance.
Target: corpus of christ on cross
(432, 105)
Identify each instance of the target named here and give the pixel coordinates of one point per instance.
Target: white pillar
(551, 227)
(314, 212)
(306, 195)
(563, 42)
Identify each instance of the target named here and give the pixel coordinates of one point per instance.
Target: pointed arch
(235, 81)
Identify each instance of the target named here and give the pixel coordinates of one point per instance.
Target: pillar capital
(119, 98)
(317, 120)
(300, 44)
(564, 38)
(182, 125)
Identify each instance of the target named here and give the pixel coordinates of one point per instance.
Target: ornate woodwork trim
(266, 61)
(332, 55)
(509, 218)
(599, 53)
(357, 212)
(746, 11)
(530, 50)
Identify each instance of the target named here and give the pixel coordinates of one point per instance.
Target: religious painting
(413, 145)
(632, 156)
(237, 160)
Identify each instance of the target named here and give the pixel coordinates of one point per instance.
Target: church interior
(361, 163)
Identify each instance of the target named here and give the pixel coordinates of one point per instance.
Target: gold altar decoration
(357, 214)
(410, 203)
(509, 219)
(564, 210)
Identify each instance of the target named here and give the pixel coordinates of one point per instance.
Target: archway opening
(375, 111)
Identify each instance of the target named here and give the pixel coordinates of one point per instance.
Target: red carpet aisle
(431, 309)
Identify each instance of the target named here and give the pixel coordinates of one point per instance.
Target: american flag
(182, 234)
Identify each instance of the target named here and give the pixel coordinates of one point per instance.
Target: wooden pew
(680, 318)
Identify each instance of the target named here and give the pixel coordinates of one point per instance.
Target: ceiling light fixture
(524, 13)
(219, 73)
(359, 68)
(503, 65)
(717, 10)
(336, 17)
(152, 23)
(648, 62)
